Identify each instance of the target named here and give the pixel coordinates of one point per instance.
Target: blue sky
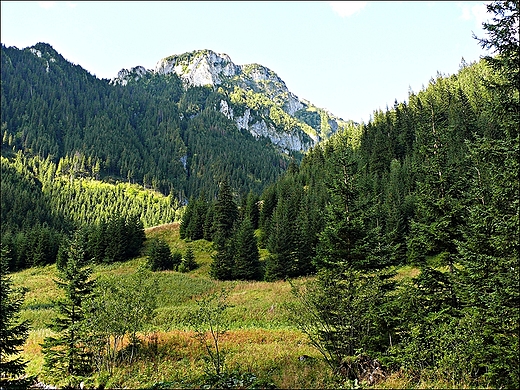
(350, 58)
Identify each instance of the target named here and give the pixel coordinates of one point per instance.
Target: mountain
(180, 129)
(300, 126)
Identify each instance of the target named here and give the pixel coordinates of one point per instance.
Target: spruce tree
(252, 211)
(342, 239)
(209, 223)
(490, 247)
(160, 256)
(226, 211)
(225, 216)
(188, 262)
(281, 243)
(221, 267)
(247, 257)
(13, 333)
(195, 228)
(66, 355)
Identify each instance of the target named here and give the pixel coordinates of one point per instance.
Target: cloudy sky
(350, 58)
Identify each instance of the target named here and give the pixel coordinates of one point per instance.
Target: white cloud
(480, 13)
(347, 8)
(46, 4)
(477, 12)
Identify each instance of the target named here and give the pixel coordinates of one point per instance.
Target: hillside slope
(180, 129)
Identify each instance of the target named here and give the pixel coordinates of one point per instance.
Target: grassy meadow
(260, 339)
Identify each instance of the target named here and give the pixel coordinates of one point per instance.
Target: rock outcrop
(207, 68)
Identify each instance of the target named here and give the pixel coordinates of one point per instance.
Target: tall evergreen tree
(66, 355)
(225, 217)
(246, 257)
(341, 240)
(282, 242)
(490, 248)
(252, 211)
(226, 211)
(13, 333)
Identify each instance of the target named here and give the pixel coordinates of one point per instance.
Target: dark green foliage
(13, 333)
(150, 131)
(67, 355)
(35, 246)
(434, 182)
(118, 239)
(159, 256)
(84, 203)
(251, 210)
(223, 259)
(194, 219)
(226, 211)
(246, 257)
(176, 260)
(209, 224)
(281, 242)
(224, 219)
(489, 253)
(344, 313)
(188, 262)
(344, 237)
(23, 204)
(186, 218)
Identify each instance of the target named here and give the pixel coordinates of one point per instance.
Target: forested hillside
(77, 150)
(151, 132)
(399, 238)
(434, 183)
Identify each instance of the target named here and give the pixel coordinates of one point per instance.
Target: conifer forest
(148, 242)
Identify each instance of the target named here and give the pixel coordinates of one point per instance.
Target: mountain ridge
(155, 130)
(202, 68)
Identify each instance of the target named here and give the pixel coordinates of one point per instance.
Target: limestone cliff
(267, 108)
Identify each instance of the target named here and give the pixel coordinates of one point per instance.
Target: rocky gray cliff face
(207, 68)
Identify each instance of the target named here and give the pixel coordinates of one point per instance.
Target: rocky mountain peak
(269, 105)
(199, 68)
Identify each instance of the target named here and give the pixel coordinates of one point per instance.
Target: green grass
(260, 340)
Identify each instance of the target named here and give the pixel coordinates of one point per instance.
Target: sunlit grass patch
(407, 271)
(32, 350)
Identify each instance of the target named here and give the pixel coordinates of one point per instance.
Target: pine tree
(342, 238)
(221, 267)
(341, 313)
(282, 243)
(247, 257)
(490, 247)
(136, 236)
(159, 256)
(251, 209)
(117, 240)
(188, 262)
(195, 229)
(66, 355)
(226, 211)
(225, 216)
(489, 253)
(13, 333)
(209, 224)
